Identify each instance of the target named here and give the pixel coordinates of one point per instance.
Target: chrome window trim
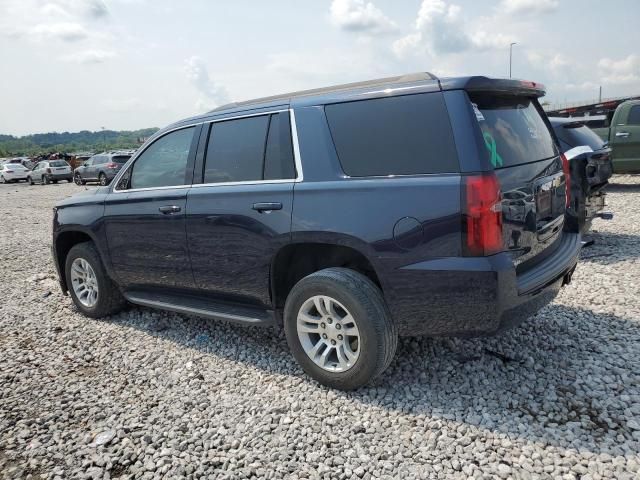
(294, 141)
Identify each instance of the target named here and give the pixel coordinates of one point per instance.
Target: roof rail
(410, 77)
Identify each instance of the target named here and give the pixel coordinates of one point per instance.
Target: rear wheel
(91, 289)
(2, 180)
(339, 328)
(102, 178)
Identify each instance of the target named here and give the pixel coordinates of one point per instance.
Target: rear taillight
(48, 170)
(567, 179)
(483, 215)
(112, 165)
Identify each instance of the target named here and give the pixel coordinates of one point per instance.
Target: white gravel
(146, 394)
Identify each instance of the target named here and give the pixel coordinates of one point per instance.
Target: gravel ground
(147, 394)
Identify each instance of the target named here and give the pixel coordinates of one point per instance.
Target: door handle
(267, 206)
(169, 209)
(622, 134)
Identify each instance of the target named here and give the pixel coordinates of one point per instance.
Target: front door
(240, 216)
(145, 215)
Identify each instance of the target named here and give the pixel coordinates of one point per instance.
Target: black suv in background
(101, 168)
(589, 158)
(353, 214)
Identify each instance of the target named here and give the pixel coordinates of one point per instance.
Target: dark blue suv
(353, 214)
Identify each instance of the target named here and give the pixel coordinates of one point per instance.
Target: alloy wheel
(84, 282)
(328, 333)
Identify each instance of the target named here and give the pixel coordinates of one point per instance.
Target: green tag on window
(490, 143)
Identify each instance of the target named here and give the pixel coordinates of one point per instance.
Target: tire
(30, 180)
(109, 299)
(363, 300)
(55, 182)
(45, 180)
(78, 180)
(102, 180)
(2, 179)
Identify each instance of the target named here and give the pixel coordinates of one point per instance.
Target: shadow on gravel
(623, 187)
(609, 248)
(567, 377)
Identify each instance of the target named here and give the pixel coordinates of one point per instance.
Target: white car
(50, 171)
(13, 172)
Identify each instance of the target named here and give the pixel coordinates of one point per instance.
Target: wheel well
(295, 262)
(64, 242)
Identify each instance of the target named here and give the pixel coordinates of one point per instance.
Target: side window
(403, 135)
(164, 163)
(278, 157)
(634, 115)
(235, 150)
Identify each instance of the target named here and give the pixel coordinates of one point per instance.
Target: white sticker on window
(478, 113)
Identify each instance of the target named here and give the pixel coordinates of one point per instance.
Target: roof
(398, 85)
(586, 118)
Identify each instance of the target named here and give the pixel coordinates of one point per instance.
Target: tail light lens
(48, 170)
(112, 165)
(9, 171)
(483, 215)
(567, 179)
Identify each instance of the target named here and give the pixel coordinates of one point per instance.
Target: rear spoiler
(525, 88)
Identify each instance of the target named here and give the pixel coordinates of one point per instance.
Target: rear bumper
(60, 176)
(464, 296)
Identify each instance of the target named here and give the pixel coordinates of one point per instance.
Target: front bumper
(476, 296)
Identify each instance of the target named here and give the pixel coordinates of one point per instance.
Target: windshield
(513, 129)
(121, 158)
(59, 163)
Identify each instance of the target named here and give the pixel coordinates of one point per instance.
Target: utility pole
(104, 139)
(510, 56)
(600, 95)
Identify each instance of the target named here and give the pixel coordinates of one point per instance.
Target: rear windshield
(513, 130)
(58, 163)
(576, 134)
(14, 166)
(121, 158)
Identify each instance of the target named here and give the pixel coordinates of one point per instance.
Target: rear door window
(513, 130)
(235, 150)
(403, 135)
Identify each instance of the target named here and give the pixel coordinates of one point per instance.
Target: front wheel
(339, 329)
(30, 180)
(78, 179)
(45, 180)
(91, 289)
(2, 180)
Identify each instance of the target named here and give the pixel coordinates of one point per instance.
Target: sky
(70, 65)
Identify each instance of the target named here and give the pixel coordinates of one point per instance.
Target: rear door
(145, 215)
(625, 140)
(240, 215)
(521, 149)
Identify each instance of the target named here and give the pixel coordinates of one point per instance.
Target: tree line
(68, 142)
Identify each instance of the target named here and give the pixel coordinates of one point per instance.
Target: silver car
(50, 171)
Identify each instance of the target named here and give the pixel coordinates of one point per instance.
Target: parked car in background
(590, 162)
(13, 172)
(50, 171)
(350, 214)
(100, 168)
(623, 137)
